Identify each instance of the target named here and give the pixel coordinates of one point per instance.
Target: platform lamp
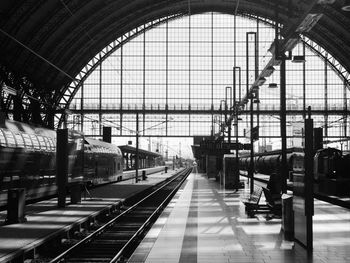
(228, 108)
(298, 59)
(346, 6)
(254, 94)
(273, 85)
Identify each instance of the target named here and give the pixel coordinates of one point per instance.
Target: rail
(141, 229)
(100, 230)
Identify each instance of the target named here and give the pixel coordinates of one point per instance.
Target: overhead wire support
(291, 38)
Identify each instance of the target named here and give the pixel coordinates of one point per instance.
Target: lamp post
(228, 108)
(236, 112)
(137, 140)
(251, 166)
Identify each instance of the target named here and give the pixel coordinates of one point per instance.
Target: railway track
(115, 240)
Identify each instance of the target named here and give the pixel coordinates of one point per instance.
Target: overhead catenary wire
(36, 54)
(91, 39)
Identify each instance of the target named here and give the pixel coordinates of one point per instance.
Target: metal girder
(290, 112)
(331, 60)
(290, 32)
(96, 61)
(316, 49)
(104, 54)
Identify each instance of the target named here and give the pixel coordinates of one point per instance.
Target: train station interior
(174, 131)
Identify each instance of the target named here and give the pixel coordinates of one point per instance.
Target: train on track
(28, 160)
(330, 167)
(269, 162)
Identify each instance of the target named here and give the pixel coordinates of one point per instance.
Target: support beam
(283, 170)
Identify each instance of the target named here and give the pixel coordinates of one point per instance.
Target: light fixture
(261, 81)
(298, 59)
(291, 43)
(309, 22)
(9, 90)
(325, 2)
(269, 70)
(273, 85)
(346, 6)
(255, 88)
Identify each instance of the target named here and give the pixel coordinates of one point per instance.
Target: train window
(52, 143)
(48, 145)
(35, 141)
(19, 139)
(11, 142)
(42, 142)
(49, 142)
(27, 140)
(2, 139)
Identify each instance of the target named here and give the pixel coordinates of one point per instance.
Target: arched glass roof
(177, 72)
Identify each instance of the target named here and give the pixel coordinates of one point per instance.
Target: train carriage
(28, 160)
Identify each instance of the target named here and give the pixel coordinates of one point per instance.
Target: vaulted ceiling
(63, 35)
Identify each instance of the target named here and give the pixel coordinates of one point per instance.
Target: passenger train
(28, 160)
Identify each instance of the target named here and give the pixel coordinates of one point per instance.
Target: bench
(251, 202)
(273, 201)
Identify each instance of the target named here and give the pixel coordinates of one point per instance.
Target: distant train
(330, 167)
(269, 162)
(28, 160)
(330, 163)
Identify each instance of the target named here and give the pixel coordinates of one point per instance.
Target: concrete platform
(206, 223)
(45, 220)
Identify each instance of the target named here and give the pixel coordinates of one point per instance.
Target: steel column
(137, 149)
(283, 168)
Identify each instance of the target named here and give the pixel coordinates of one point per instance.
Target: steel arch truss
(68, 92)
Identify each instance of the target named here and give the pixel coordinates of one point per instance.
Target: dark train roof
(16, 126)
(69, 33)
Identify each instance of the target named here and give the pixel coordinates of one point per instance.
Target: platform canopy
(62, 36)
(132, 150)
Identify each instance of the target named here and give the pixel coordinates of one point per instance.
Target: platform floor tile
(206, 223)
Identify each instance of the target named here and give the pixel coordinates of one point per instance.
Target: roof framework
(61, 37)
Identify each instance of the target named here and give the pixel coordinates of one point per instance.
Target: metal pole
(251, 165)
(82, 108)
(100, 100)
(304, 84)
(309, 200)
(166, 76)
(236, 170)
(121, 89)
(283, 167)
(137, 149)
(228, 109)
(62, 166)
